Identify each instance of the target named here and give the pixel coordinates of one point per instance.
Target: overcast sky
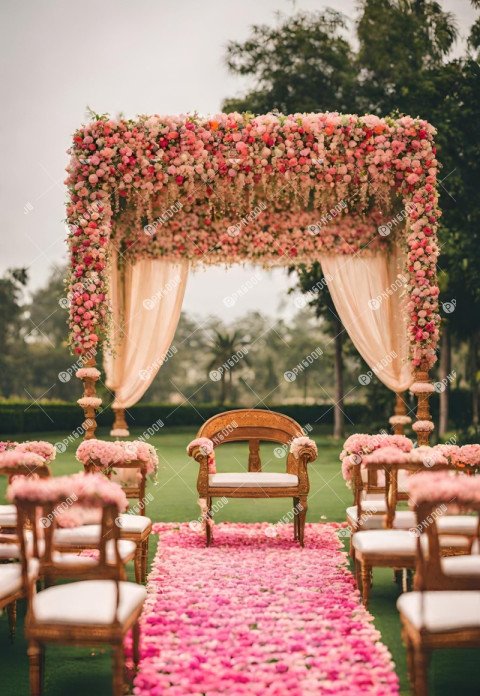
(148, 56)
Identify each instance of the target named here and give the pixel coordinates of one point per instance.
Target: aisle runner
(255, 614)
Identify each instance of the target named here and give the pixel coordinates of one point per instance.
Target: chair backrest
(429, 571)
(134, 486)
(38, 512)
(42, 471)
(390, 471)
(254, 426)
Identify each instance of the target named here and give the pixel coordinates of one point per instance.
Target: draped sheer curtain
(368, 295)
(146, 300)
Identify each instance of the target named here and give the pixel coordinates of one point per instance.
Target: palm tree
(229, 350)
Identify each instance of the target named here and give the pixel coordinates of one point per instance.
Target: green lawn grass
(78, 672)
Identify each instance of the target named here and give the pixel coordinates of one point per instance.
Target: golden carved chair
(391, 547)
(10, 585)
(8, 513)
(133, 527)
(254, 426)
(97, 611)
(9, 544)
(444, 610)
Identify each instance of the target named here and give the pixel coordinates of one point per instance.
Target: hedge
(25, 417)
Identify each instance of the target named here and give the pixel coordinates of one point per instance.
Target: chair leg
(208, 526)
(421, 660)
(12, 619)
(136, 643)
(366, 580)
(118, 670)
(138, 563)
(410, 660)
(144, 559)
(35, 658)
(295, 519)
(358, 575)
(302, 516)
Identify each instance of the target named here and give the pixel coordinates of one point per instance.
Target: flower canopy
(273, 189)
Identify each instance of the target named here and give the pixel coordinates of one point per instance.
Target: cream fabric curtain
(368, 295)
(146, 306)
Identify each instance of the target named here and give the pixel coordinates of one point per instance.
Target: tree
(401, 43)
(310, 279)
(12, 346)
(303, 63)
(229, 351)
(47, 311)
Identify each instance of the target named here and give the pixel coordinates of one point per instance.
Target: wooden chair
(396, 548)
(11, 588)
(370, 491)
(90, 612)
(8, 513)
(444, 610)
(255, 426)
(133, 527)
(10, 573)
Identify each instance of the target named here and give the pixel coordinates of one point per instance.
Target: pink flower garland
(386, 455)
(7, 445)
(89, 401)
(45, 449)
(358, 445)
(88, 373)
(156, 162)
(299, 443)
(13, 458)
(207, 448)
(111, 454)
(468, 455)
(91, 490)
(445, 487)
(228, 622)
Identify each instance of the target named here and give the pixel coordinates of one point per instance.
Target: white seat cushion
(442, 611)
(404, 519)
(392, 541)
(10, 579)
(370, 521)
(402, 480)
(461, 565)
(84, 535)
(375, 499)
(457, 524)
(11, 576)
(260, 479)
(87, 602)
(133, 523)
(8, 516)
(8, 551)
(126, 549)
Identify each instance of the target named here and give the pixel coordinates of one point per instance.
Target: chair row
(76, 528)
(437, 539)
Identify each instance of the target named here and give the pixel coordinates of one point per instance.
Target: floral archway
(273, 189)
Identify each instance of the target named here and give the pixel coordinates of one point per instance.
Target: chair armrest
(304, 449)
(201, 449)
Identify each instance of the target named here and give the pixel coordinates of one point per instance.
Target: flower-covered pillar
(399, 419)
(422, 388)
(421, 213)
(89, 401)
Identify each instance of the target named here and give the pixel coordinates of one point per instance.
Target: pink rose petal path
(257, 615)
